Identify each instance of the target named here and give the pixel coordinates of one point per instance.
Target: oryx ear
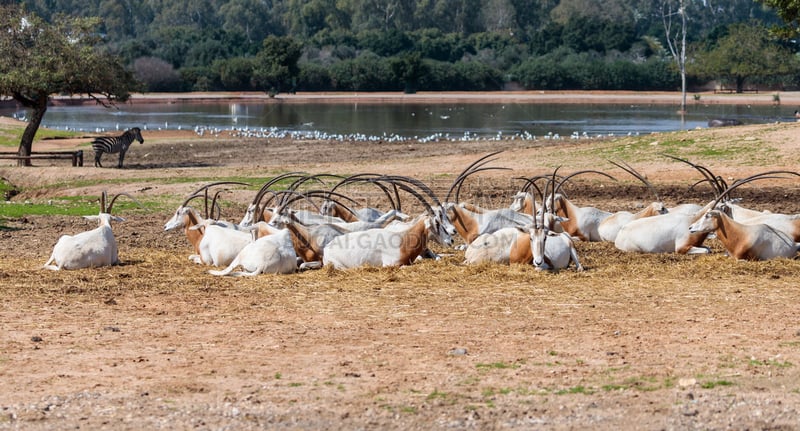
(91, 217)
(561, 219)
(117, 219)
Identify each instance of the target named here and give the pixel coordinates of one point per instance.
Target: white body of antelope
(397, 245)
(269, 254)
(609, 227)
(220, 245)
(471, 224)
(580, 222)
(508, 245)
(665, 233)
(746, 241)
(93, 248)
(552, 250)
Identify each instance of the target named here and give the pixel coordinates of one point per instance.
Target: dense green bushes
(566, 70)
(369, 45)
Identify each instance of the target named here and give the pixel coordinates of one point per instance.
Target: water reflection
(406, 120)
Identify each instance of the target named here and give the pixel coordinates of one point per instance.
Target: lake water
(420, 121)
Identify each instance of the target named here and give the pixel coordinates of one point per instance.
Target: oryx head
(439, 226)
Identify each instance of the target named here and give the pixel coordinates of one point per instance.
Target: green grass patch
(711, 384)
(497, 366)
(770, 363)
(73, 206)
(614, 387)
(442, 398)
(11, 135)
(575, 390)
(490, 392)
(638, 383)
(682, 144)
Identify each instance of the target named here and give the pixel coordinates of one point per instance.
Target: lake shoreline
(533, 97)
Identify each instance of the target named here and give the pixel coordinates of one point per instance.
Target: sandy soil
(634, 342)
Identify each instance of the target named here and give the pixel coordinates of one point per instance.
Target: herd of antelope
(539, 227)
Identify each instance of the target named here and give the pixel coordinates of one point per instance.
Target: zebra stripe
(115, 144)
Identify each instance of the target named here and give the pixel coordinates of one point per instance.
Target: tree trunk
(38, 110)
(739, 84)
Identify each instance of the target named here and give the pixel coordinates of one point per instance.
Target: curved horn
(629, 169)
(290, 196)
(367, 177)
(529, 181)
(215, 204)
(205, 188)
(264, 188)
(114, 199)
(326, 194)
(330, 196)
(295, 185)
(399, 179)
(461, 180)
(469, 170)
(103, 197)
(715, 180)
(751, 178)
(553, 189)
(585, 171)
(418, 195)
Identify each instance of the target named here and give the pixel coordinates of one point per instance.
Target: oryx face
(519, 201)
(441, 227)
(538, 243)
(249, 215)
(327, 208)
(706, 223)
(178, 219)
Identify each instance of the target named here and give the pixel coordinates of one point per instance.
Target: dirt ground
(634, 342)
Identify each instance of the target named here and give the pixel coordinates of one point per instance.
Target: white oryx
(472, 221)
(269, 254)
(398, 244)
(92, 248)
(670, 233)
(746, 241)
(580, 222)
(539, 245)
(193, 223)
(553, 250)
(609, 227)
(664, 233)
(220, 244)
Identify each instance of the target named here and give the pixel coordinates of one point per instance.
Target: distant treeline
(405, 45)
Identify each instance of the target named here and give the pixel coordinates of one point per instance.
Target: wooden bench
(733, 90)
(75, 156)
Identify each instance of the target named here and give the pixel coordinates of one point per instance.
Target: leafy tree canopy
(38, 59)
(746, 52)
(789, 11)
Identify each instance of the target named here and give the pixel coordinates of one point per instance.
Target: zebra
(115, 144)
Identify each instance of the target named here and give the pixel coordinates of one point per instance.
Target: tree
(38, 59)
(789, 11)
(678, 49)
(247, 17)
(408, 68)
(746, 52)
(276, 63)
